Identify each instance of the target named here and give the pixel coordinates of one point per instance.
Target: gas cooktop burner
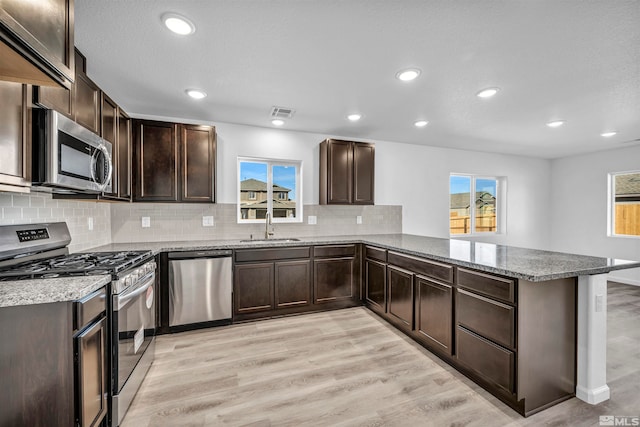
(79, 264)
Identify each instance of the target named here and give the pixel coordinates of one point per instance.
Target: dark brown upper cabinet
(174, 162)
(36, 42)
(347, 172)
(116, 128)
(86, 97)
(80, 102)
(124, 153)
(15, 137)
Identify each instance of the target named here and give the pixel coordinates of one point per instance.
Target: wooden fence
(628, 219)
(462, 224)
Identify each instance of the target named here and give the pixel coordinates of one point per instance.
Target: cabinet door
(36, 41)
(54, 98)
(156, 153)
(363, 173)
(91, 375)
(253, 289)
(198, 163)
(15, 162)
(333, 279)
(376, 284)
(124, 156)
(401, 295)
(86, 97)
(292, 283)
(340, 168)
(434, 305)
(109, 127)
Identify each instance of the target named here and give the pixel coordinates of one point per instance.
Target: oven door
(134, 327)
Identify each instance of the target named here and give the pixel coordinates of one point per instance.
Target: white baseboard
(613, 278)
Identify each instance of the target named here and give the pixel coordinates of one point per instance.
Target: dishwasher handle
(213, 253)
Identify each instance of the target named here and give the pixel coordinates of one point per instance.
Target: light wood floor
(350, 368)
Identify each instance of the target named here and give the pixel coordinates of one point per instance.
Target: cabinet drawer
(376, 253)
(489, 360)
(486, 284)
(334, 251)
(488, 318)
(270, 254)
(432, 269)
(89, 307)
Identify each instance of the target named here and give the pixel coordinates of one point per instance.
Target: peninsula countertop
(522, 263)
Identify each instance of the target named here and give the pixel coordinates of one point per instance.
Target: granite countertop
(529, 264)
(42, 291)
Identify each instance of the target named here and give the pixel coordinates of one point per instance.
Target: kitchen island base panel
(591, 384)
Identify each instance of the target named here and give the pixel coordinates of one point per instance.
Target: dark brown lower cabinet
(376, 285)
(400, 302)
(253, 290)
(434, 309)
(333, 279)
(292, 279)
(487, 359)
(515, 338)
(53, 363)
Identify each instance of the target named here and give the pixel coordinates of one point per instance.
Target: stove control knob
(128, 281)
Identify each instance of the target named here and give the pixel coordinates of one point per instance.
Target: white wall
(415, 177)
(579, 207)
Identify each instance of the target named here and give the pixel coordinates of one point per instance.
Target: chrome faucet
(267, 223)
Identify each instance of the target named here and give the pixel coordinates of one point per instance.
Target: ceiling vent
(282, 113)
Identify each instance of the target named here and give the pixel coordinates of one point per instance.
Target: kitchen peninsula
(528, 325)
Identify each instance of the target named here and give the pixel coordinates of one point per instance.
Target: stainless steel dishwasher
(200, 288)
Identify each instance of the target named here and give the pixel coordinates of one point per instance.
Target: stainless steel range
(33, 251)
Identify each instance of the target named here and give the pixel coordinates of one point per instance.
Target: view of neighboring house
(627, 204)
(253, 200)
(459, 212)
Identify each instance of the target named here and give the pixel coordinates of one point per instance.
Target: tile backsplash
(122, 222)
(176, 222)
(80, 216)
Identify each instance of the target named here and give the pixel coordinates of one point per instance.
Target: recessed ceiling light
(421, 123)
(277, 122)
(408, 74)
(555, 123)
(178, 24)
(488, 92)
(608, 134)
(196, 93)
(354, 117)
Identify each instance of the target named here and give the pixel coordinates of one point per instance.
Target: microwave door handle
(94, 161)
(109, 166)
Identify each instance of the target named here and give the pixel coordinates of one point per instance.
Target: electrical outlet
(146, 222)
(599, 303)
(207, 221)
(312, 220)
(359, 219)
(90, 223)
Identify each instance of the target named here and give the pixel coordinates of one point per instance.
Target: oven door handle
(125, 298)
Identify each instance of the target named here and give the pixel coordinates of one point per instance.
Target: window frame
(611, 205)
(270, 163)
(499, 207)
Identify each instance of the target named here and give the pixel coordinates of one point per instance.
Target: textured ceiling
(575, 60)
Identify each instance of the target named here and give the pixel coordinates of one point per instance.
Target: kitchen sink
(283, 240)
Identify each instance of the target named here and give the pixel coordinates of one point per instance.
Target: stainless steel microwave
(67, 157)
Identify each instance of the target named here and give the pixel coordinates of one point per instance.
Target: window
(624, 196)
(269, 186)
(473, 204)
